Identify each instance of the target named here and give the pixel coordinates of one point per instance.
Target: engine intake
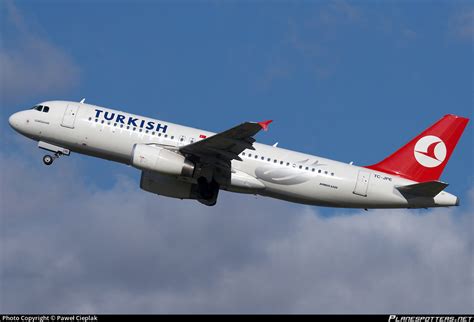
(154, 158)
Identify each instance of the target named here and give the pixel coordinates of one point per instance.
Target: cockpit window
(41, 108)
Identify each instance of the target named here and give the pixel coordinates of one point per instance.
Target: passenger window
(306, 168)
(319, 171)
(45, 109)
(269, 159)
(325, 172)
(281, 162)
(301, 167)
(288, 164)
(250, 155)
(332, 173)
(256, 156)
(263, 158)
(312, 169)
(243, 153)
(274, 161)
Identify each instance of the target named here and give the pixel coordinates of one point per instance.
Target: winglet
(265, 124)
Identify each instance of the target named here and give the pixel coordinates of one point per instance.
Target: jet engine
(167, 186)
(170, 186)
(153, 158)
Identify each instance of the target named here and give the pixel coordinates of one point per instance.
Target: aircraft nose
(18, 121)
(13, 121)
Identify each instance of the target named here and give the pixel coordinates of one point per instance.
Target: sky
(351, 81)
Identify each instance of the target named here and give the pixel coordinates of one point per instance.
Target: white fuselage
(285, 174)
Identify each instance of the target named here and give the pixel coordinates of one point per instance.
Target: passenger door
(69, 116)
(362, 183)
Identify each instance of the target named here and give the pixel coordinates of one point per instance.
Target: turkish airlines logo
(430, 151)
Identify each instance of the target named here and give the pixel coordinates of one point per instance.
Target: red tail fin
(424, 157)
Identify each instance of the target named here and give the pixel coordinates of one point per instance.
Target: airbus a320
(188, 163)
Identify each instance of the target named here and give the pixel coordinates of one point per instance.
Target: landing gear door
(362, 183)
(69, 116)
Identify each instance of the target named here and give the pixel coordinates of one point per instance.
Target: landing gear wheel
(48, 160)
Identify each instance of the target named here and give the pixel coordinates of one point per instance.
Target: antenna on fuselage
(275, 145)
(82, 101)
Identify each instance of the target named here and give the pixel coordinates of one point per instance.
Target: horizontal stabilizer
(423, 189)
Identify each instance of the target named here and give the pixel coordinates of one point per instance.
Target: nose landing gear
(48, 159)
(57, 150)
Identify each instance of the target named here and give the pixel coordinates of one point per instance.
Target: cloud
(462, 24)
(30, 64)
(68, 246)
(307, 44)
(339, 12)
(306, 38)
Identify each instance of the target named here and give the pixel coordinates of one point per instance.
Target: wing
(227, 145)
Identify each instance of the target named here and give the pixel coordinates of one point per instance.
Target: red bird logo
(431, 150)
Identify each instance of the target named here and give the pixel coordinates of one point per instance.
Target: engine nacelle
(167, 186)
(170, 186)
(153, 158)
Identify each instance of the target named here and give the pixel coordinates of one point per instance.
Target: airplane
(188, 163)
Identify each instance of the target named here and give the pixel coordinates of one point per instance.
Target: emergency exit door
(69, 116)
(362, 183)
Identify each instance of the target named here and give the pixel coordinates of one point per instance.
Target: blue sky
(328, 73)
(351, 81)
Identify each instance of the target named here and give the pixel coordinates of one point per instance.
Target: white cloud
(30, 64)
(339, 12)
(310, 38)
(462, 24)
(67, 246)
